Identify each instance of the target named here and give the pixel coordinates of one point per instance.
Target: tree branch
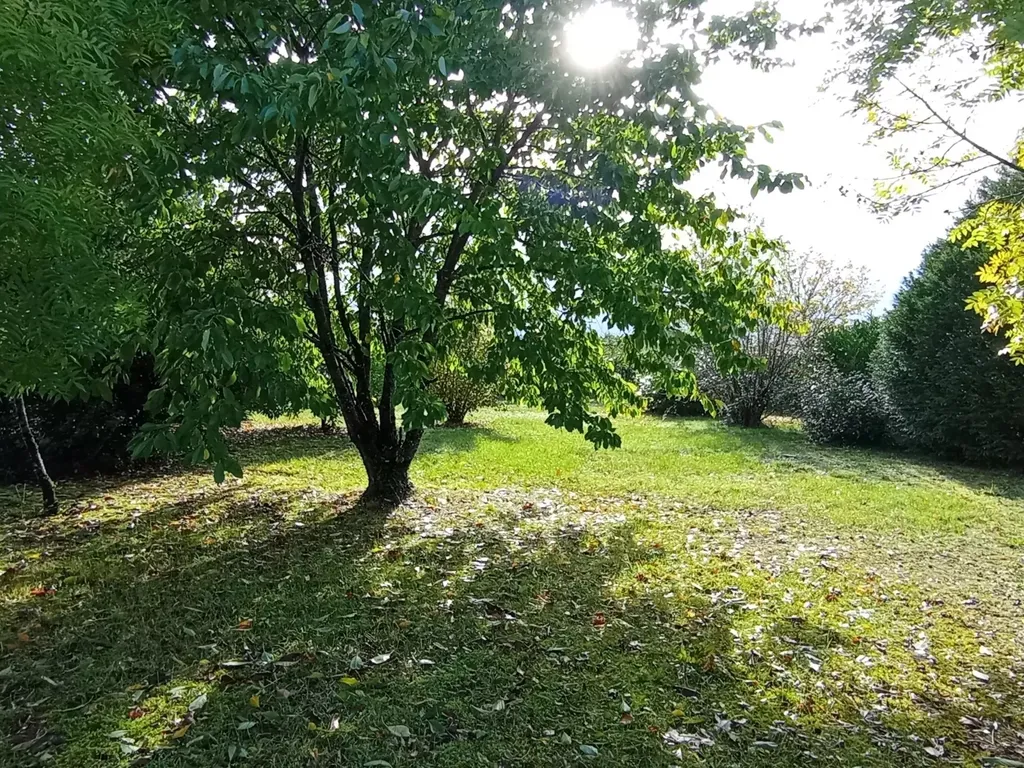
(949, 126)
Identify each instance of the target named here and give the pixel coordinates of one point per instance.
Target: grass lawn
(701, 597)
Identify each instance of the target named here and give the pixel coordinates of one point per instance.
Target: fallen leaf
(626, 719)
(117, 734)
(589, 750)
(180, 732)
(254, 700)
(380, 659)
(197, 703)
(335, 722)
(377, 764)
(246, 725)
(565, 738)
(979, 675)
(600, 620)
(136, 713)
(936, 750)
(245, 624)
(401, 731)
(349, 681)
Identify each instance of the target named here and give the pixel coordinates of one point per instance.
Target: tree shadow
(271, 444)
(296, 630)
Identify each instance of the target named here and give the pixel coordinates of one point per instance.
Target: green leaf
(219, 76)
(391, 64)
(443, 66)
(341, 29)
(357, 11)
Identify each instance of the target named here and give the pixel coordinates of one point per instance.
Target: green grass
(703, 596)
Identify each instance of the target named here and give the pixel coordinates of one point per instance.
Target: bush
(947, 387)
(841, 403)
(81, 436)
(661, 404)
(458, 379)
(844, 409)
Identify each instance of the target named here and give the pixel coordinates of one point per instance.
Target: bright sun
(597, 37)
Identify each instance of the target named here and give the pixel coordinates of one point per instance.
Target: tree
(886, 39)
(947, 390)
(817, 294)
(385, 171)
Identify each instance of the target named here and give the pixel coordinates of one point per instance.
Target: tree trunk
(456, 419)
(389, 483)
(35, 458)
(751, 417)
(386, 458)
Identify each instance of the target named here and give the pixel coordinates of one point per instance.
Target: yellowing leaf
(254, 700)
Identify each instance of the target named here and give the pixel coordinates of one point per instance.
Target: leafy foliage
(997, 228)
(840, 402)
(70, 146)
(948, 390)
(987, 36)
(849, 347)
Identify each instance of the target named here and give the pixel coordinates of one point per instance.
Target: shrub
(660, 403)
(458, 378)
(841, 403)
(947, 387)
(844, 408)
(81, 436)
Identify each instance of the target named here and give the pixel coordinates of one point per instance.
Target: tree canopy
(366, 176)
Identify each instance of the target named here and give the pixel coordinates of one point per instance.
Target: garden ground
(702, 596)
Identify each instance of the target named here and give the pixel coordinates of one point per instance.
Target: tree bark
(35, 457)
(387, 468)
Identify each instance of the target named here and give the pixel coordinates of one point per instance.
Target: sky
(829, 145)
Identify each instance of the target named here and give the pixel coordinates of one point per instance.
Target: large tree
(381, 171)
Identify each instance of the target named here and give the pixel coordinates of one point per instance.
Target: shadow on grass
(298, 630)
(791, 448)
